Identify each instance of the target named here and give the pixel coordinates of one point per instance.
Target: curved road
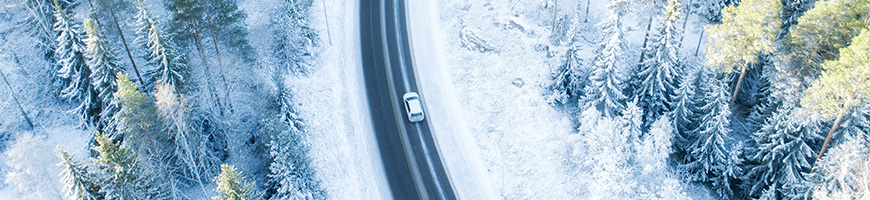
(413, 166)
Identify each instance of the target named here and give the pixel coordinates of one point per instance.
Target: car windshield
(416, 114)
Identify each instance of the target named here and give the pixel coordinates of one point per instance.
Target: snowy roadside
(521, 139)
(455, 143)
(332, 100)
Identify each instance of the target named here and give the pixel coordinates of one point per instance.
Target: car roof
(415, 106)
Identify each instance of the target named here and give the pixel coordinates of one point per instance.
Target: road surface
(412, 164)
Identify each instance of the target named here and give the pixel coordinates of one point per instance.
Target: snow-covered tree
(568, 80)
(746, 31)
(104, 67)
(40, 24)
(231, 185)
(659, 72)
(607, 160)
(844, 173)
(190, 150)
(123, 175)
(32, 168)
(605, 91)
(784, 148)
(726, 177)
(656, 147)
(169, 66)
(74, 70)
(707, 151)
(632, 123)
(80, 184)
(293, 38)
(683, 108)
(289, 171)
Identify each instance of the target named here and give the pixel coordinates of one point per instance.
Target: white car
(413, 106)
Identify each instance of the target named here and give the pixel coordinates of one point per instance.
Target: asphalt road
(413, 166)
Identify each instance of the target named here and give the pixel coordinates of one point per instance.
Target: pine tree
(707, 152)
(74, 70)
(608, 80)
(137, 120)
(825, 29)
(169, 67)
(844, 84)
(783, 151)
(746, 31)
(659, 73)
(124, 177)
(80, 184)
(231, 185)
(104, 67)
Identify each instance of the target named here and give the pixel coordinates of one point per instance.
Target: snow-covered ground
(495, 98)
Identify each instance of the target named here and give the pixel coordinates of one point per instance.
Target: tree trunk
(700, 38)
(587, 12)
(685, 21)
(211, 89)
(14, 97)
(828, 139)
(737, 87)
(220, 63)
(645, 39)
(127, 48)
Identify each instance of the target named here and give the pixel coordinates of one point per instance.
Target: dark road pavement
(413, 166)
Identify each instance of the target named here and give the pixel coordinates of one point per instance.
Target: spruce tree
(293, 37)
(659, 72)
(104, 67)
(608, 80)
(40, 25)
(74, 69)
(746, 31)
(169, 67)
(568, 80)
(707, 152)
(289, 172)
(231, 185)
(683, 111)
(79, 183)
(784, 148)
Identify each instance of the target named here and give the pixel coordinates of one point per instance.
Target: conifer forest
(525, 99)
